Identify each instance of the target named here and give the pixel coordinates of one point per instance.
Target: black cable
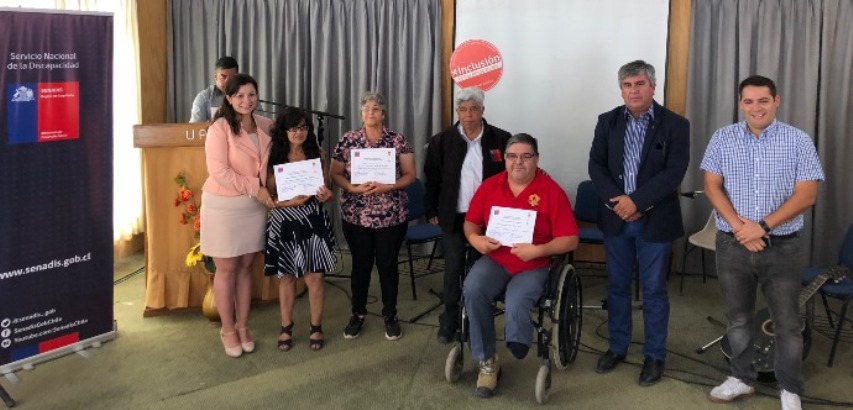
(763, 389)
(129, 276)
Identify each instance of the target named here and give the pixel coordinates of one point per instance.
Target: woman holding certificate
(235, 198)
(300, 239)
(517, 219)
(373, 166)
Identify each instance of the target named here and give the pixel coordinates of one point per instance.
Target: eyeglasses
(297, 129)
(371, 109)
(475, 109)
(510, 156)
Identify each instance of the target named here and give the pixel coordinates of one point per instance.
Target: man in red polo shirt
(521, 270)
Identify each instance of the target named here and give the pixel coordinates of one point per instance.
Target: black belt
(772, 237)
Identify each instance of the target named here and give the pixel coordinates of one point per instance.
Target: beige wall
(152, 60)
(677, 55)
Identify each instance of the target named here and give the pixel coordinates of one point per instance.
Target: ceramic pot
(208, 305)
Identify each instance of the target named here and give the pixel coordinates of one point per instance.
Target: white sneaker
(730, 390)
(790, 401)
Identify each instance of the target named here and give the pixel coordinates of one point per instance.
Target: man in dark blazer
(458, 160)
(638, 158)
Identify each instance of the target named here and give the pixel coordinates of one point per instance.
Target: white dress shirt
(472, 170)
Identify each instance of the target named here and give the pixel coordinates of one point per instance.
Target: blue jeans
(485, 282)
(778, 269)
(623, 251)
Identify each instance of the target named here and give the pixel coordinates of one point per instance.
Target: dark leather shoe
(446, 334)
(608, 361)
(652, 372)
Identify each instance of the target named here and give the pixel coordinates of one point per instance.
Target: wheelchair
(558, 323)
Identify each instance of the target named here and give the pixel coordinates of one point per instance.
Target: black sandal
(285, 345)
(316, 344)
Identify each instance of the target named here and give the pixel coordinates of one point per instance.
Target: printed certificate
(510, 226)
(373, 164)
(298, 178)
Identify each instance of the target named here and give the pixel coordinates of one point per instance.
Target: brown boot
(487, 380)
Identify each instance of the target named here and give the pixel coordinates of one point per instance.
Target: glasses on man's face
(511, 156)
(371, 109)
(474, 109)
(297, 129)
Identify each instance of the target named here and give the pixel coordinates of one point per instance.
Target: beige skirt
(232, 225)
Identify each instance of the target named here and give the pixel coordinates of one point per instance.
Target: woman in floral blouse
(374, 214)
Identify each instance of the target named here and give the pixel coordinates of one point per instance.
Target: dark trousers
(453, 244)
(777, 270)
(369, 245)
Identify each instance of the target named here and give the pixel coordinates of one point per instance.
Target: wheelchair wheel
(453, 365)
(568, 318)
(543, 384)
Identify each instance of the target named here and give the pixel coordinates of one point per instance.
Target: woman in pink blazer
(235, 201)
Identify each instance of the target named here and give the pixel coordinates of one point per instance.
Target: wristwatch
(764, 226)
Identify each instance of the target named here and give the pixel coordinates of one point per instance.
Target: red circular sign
(476, 63)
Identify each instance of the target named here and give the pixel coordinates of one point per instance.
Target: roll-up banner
(56, 249)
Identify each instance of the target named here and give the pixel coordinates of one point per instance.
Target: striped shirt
(759, 174)
(635, 134)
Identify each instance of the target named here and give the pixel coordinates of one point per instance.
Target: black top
(443, 167)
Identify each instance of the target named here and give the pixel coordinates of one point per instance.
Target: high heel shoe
(235, 351)
(316, 343)
(285, 345)
(246, 342)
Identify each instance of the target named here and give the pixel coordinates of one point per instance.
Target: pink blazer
(233, 161)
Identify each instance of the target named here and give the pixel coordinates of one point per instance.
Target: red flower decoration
(533, 200)
(191, 213)
(185, 194)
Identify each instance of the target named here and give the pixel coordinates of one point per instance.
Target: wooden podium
(167, 150)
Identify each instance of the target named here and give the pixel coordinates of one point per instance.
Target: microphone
(273, 103)
(692, 194)
(315, 112)
(320, 117)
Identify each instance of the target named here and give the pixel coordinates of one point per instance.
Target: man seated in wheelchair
(515, 201)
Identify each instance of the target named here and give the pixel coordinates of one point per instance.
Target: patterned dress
(300, 240)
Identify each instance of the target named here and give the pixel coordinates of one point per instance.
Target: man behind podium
(207, 101)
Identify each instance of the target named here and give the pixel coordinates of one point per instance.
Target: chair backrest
(711, 224)
(416, 193)
(845, 254)
(586, 202)
(706, 238)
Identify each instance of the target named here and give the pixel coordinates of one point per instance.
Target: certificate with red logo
(510, 226)
(298, 178)
(373, 165)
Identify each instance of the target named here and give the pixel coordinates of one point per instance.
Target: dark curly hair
(289, 118)
(226, 110)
